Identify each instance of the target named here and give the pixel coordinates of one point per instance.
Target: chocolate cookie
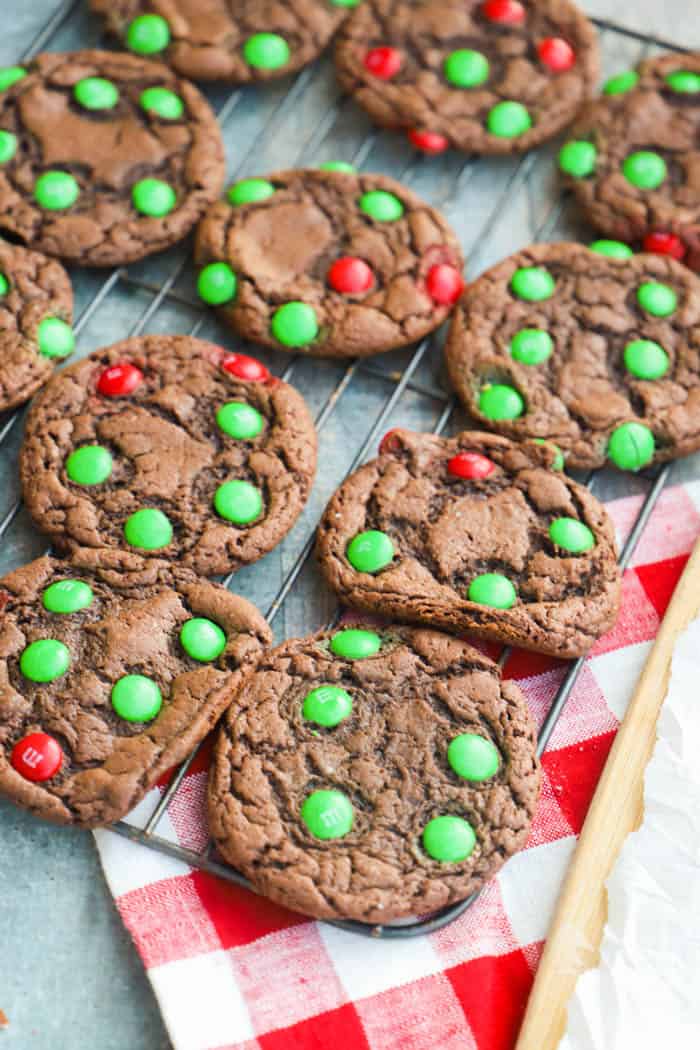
(598, 353)
(169, 444)
(104, 158)
(373, 773)
(328, 263)
(233, 40)
(493, 77)
(633, 158)
(36, 310)
(112, 668)
(474, 533)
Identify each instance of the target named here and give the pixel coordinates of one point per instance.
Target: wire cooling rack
(495, 205)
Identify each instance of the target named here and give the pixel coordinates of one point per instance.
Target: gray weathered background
(69, 977)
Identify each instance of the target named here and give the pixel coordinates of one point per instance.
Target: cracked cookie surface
(633, 159)
(469, 74)
(600, 355)
(226, 39)
(329, 264)
(99, 692)
(370, 810)
(460, 533)
(106, 157)
(36, 310)
(169, 444)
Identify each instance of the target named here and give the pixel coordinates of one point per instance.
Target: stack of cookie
(376, 770)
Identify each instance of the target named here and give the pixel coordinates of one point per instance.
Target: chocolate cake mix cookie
(373, 773)
(233, 40)
(474, 533)
(104, 158)
(169, 444)
(36, 310)
(599, 353)
(486, 77)
(328, 263)
(112, 668)
(633, 158)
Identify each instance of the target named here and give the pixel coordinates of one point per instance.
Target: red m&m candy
(665, 244)
(470, 465)
(119, 380)
(383, 62)
(244, 367)
(37, 757)
(390, 442)
(444, 284)
(428, 141)
(556, 54)
(350, 275)
(507, 12)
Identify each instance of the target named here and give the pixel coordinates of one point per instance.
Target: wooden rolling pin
(617, 808)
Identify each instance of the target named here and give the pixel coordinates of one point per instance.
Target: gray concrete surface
(69, 977)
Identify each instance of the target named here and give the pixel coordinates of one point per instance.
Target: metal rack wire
(398, 384)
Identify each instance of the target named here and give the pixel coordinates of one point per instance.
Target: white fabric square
(130, 866)
(617, 673)
(530, 884)
(367, 966)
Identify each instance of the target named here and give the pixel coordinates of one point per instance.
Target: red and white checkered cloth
(234, 972)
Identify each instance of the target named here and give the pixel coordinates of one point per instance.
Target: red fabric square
(574, 772)
(339, 1029)
(549, 823)
(238, 915)
(168, 921)
(523, 664)
(638, 620)
(493, 992)
(659, 580)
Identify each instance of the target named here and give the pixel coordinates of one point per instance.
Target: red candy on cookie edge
(243, 367)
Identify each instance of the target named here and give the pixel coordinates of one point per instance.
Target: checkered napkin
(233, 971)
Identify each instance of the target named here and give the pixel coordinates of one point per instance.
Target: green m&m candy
(473, 757)
(148, 529)
(621, 83)
(148, 34)
(327, 705)
(44, 660)
(571, 535)
(136, 698)
(89, 465)
(266, 51)
(8, 146)
(578, 159)
(381, 206)
(492, 589)
(509, 119)
(217, 284)
(55, 338)
(327, 814)
(631, 446)
(345, 3)
(67, 596)
(153, 197)
(613, 249)
(4, 285)
(294, 324)
(466, 68)
(644, 169)
(498, 401)
(338, 165)
(248, 191)
(56, 190)
(355, 644)
(96, 93)
(532, 283)
(448, 839)
(239, 420)
(370, 551)
(238, 501)
(684, 82)
(9, 75)
(558, 463)
(531, 346)
(202, 639)
(657, 299)
(162, 102)
(646, 359)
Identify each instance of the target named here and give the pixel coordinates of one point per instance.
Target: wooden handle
(574, 938)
